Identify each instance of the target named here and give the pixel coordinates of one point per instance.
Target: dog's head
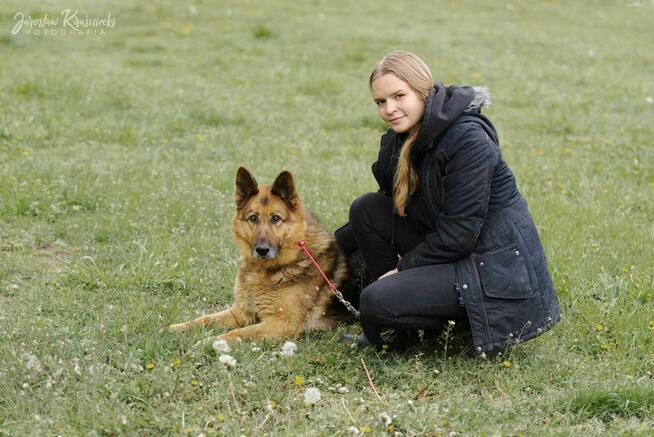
(269, 218)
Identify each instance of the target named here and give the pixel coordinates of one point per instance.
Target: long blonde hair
(413, 71)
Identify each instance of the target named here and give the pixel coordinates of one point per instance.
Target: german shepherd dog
(278, 292)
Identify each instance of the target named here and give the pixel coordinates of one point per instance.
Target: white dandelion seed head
(343, 390)
(221, 346)
(288, 349)
(227, 360)
(386, 418)
(311, 396)
(649, 100)
(352, 430)
(32, 362)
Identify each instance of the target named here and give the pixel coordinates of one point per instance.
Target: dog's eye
(275, 219)
(253, 219)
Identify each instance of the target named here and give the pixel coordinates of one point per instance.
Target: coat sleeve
(466, 188)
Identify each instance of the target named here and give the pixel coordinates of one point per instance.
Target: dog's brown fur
(281, 294)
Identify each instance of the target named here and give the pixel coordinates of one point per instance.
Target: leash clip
(332, 287)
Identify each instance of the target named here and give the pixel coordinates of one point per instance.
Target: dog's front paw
(177, 327)
(230, 337)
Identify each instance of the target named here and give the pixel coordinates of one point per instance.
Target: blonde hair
(413, 71)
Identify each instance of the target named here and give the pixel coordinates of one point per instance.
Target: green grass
(117, 158)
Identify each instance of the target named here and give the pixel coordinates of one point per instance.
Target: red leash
(303, 246)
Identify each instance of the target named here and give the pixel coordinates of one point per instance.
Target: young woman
(448, 235)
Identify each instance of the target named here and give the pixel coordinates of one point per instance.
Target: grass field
(118, 150)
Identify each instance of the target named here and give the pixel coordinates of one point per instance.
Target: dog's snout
(262, 250)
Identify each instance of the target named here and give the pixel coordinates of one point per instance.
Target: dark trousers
(419, 298)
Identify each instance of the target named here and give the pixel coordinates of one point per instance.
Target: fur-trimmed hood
(444, 105)
(481, 98)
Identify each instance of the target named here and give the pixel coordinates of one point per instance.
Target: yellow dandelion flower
(366, 429)
(194, 382)
(186, 29)
(599, 327)
(650, 325)
(221, 417)
(175, 363)
(150, 366)
(507, 364)
(299, 380)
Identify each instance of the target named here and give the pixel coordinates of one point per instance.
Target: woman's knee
(366, 204)
(372, 303)
(367, 302)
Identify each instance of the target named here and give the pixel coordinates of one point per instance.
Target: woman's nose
(390, 108)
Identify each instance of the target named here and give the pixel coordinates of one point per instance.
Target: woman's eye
(275, 219)
(379, 103)
(253, 219)
(399, 96)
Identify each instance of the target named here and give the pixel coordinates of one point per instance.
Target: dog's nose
(262, 250)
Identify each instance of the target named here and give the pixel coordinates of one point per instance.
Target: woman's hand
(389, 273)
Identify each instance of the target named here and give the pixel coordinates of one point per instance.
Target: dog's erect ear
(284, 187)
(246, 186)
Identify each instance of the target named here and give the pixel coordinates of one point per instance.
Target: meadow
(118, 151)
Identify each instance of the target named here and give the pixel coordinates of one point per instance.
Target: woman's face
(398, 105)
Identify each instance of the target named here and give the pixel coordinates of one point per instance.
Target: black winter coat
(472, 215)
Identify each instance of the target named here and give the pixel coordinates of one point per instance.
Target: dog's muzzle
(264, 251)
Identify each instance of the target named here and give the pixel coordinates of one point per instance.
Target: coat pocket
(503, 273)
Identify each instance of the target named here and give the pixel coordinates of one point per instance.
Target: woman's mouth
(395, 120)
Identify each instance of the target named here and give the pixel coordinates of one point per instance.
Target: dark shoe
(353, 339)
